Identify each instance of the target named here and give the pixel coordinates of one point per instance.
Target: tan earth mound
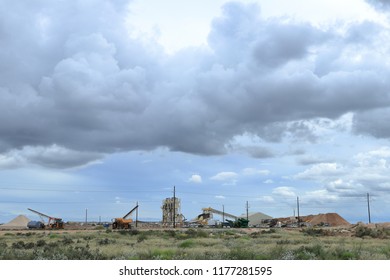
(333, 219)
(19, 222)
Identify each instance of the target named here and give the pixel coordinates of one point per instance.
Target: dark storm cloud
(374, 122)
(72, 78)
(310, 160)
(260, 152)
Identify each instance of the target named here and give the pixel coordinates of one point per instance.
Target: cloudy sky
(106, 103)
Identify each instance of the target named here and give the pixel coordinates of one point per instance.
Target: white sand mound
(17, 223)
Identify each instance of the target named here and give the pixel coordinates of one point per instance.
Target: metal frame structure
(171, 212)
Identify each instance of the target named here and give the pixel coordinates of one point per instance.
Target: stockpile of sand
(19, 222)
(333, 219)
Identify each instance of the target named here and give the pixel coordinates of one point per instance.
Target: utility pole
(247, 209)
(298, 211)
(223, 213)
(86, 215)
(368, 206)
(136, 216)
(174, 206)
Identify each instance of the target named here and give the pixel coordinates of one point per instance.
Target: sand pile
(333, 219)
(19, 222)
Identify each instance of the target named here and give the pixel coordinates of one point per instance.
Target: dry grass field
(356, 243)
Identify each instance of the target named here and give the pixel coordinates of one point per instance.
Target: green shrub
(53, 235)
(362, 231)
(41, 243)
(67, 240)
(196, 233)
(141, 237)
(170, 233)
(187, 244)
(105, 241)
(341, 253)
(29, 245)
(18, 245)
(129, 232)
(270, 231)
(283, 242)
(316, 232)
(386, 251)
(239, 253)
(255, 234)
(276, 236)
(181, 236)
(345, 255)
(162, 254)
(314, 252)
(50, 252)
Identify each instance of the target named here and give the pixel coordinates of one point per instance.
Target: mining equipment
(205, 218)
(35, 225)
(171, 213)
(53, 223)
(123, 223)
(270, 222)
(239, 223)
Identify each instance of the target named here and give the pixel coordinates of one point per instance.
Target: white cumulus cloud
(253, 171)
(284, 192)
(195, 179)
(227, 177)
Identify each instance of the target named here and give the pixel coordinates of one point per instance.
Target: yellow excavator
(123, 223)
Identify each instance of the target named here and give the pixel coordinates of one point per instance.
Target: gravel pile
(333, 219)
(19, 222)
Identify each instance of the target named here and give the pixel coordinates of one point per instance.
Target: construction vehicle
(123, 223)
(53, 223)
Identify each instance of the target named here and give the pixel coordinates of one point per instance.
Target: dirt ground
(344, 230)
(329, 221)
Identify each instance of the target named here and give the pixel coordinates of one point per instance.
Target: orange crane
(54, 223)
(123, 223)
